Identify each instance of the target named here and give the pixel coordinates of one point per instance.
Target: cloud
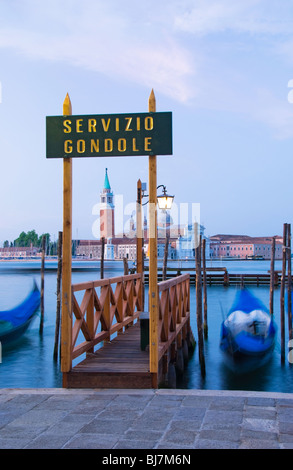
(100, 37)
(244, 16)
(178, 47)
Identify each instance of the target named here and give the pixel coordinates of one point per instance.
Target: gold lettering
(149, 123)
(68, 146)
(106, 126)
(117, 124)
(134, 145)
(108, 145)
(121, 145)
(78, 125)
(95, 145)
(138, 123)
(129, 119)
(92, 125)
(80, 145)
(147, 144)
(66, 124)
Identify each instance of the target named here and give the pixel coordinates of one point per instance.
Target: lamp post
(164, 202)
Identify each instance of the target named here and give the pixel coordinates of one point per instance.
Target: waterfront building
(123, 245)
(185, 244)
(19, 252)
(244, 247)
(107, 229)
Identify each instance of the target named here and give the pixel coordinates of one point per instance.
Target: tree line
(31, 238)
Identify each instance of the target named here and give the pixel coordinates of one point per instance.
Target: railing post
(90, 318)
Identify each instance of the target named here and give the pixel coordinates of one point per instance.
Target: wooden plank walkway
(227, 279)
(118, 364)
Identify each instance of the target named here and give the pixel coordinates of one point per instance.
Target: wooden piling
(125, 267)
(289, 281)
(42, 285)
(102, 257)
(204, 281)
(282, 292)
(58, 307)
(164, 273)
(139, 230)
(199, 302)
(272, 276)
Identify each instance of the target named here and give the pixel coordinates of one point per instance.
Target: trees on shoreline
(31, 238)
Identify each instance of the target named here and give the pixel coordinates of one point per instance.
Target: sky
(223, 68)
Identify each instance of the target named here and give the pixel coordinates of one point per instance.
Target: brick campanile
(107, 229)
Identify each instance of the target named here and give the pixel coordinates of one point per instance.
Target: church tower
(107, 210)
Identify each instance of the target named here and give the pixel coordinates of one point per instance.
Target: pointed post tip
(67, 108)
(152, 101)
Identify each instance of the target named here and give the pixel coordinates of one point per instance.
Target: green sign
(109, 135)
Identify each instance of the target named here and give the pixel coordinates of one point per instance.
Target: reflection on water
(30, 362)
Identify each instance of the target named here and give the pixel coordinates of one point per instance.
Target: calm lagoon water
(29, 363)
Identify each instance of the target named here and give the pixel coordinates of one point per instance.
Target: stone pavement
(144, 419)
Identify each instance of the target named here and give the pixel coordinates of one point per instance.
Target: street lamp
(164, 200)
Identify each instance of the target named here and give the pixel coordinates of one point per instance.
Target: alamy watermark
(180, 216)
(290, 94)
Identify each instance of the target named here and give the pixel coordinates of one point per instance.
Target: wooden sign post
(153, 259)
(136, 134)
(66, 318)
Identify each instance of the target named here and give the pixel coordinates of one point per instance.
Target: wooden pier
(106, 314)
(221, 277)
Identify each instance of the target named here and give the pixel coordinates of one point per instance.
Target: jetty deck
(120, 363)
(106, 326)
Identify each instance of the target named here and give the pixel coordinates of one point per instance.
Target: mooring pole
(198, 288)
(42, 285)
(272, 276)
(59, 272)
(153, 259)
(66, 320)
(282, 292)
(102, 257)
(205, 300)
(289, 281)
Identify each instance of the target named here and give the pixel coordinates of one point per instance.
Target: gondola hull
(248, 334)
(15, 322)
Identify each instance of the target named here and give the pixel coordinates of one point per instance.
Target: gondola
(248, 333)
(15, 322)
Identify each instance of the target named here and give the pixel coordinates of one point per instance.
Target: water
(30, 362)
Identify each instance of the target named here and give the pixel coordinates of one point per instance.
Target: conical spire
(106, 182)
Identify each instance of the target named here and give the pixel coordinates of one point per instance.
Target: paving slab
(144, 419)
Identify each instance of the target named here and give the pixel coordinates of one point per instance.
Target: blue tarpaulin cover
(20, 314)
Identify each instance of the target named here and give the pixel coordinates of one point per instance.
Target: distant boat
(15, 322)
(248, 333)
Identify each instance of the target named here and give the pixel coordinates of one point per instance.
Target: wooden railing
(174, 312)
(106, 306)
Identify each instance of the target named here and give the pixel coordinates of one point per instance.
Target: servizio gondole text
(112, 135)
(107, 144)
